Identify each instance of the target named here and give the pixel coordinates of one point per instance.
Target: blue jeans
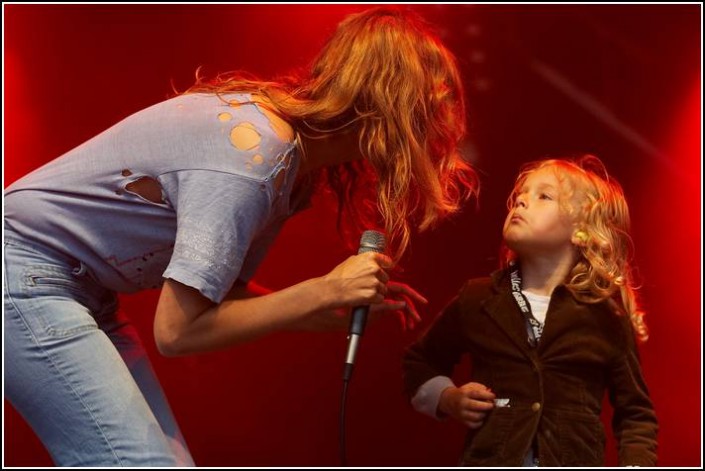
(75, 368)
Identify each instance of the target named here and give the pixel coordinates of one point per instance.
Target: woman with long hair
(188, 195)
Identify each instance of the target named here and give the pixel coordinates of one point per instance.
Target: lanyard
(533, 326)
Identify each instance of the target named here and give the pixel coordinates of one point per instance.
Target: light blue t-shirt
(225, 178)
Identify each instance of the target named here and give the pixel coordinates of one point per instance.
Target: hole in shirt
(244, 136)
(280, 127)
(148, 188)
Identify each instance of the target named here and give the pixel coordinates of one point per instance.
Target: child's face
(538, 222)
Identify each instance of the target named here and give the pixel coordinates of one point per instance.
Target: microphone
(371, 241)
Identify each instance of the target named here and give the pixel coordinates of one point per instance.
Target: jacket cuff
(428, 395)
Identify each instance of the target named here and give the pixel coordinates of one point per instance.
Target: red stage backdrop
(619, 81)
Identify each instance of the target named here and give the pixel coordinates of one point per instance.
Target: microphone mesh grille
(372, 241)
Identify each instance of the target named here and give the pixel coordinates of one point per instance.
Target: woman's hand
(468, 404)
(359, 280)
(362, 280)
(400, 299)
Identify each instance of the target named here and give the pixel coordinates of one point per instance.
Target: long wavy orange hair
(604, 264)
(384, 70)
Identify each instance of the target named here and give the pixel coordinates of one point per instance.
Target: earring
(582, 237)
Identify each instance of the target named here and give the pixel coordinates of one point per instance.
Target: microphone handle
(359, 319)
(357, 327)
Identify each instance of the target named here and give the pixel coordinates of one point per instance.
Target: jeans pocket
(50, 279)
(58, 300)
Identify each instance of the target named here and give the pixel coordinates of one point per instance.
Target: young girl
(548, 334)
(188, 195)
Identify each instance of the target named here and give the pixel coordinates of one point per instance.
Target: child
(548, 334)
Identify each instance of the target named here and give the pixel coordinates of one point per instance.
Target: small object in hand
(502, 402)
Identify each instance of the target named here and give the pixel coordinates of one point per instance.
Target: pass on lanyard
(532, 324)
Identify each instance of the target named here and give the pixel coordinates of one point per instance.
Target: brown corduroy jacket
(555, 391)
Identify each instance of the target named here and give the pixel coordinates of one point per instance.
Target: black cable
(343, 401)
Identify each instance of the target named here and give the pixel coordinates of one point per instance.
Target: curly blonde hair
(605, 248)
(385, 71)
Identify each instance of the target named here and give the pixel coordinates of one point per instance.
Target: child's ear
(580, 238)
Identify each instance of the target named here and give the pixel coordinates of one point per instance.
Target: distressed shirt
(194, 188)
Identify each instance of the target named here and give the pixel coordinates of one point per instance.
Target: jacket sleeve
(437, 351)
(634, 421)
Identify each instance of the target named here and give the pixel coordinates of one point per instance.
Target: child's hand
(468, 404)
(400, 299)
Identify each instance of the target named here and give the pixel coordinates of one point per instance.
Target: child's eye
(545, 196)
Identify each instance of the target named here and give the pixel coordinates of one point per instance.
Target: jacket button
(536, 406)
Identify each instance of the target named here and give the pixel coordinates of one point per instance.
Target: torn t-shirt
(194, 189)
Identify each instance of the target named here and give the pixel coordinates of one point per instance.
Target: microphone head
(372, 241)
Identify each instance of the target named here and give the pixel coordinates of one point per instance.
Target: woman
(188, 195)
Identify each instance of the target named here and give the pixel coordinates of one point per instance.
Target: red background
(620, 81)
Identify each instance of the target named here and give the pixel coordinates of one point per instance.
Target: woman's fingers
(379, 292)
(389, 305)
(404, 292)
(382, 260)
(402, 288)
(405, 309)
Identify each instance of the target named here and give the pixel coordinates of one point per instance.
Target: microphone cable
(343, 403)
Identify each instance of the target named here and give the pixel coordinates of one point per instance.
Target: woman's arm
(187, 322)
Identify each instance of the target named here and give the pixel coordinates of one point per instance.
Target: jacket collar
(503, 310)
(500, 284)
